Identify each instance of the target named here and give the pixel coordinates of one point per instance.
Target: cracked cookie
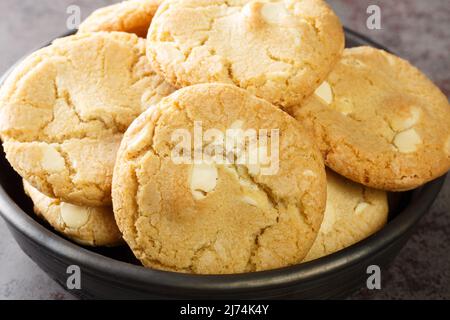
(353, 213)
(64, 109)
(379, 121)
(278, 50)
(205, 216)
(84, 225)
(133, 16)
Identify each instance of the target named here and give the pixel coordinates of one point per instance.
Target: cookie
(133, 16)
(84, 225)
(379, 121)
(353, 213)
(278, 50)
(64, 109)
(189, 199)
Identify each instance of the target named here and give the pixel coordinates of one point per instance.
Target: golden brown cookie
(133, 16)
(86, 226)
(212, 217)
(353, 213)
(64, 109)
(278, 50)
(379, 121)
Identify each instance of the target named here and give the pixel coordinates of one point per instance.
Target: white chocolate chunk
(51, 159)
(247, 183)
(220, 249)
(140, 140)
(73, 216)
(309, 173)
(249, 200)
(329, 219)
(399, 124)
(251, 8)
(361, 207)
(407, 141)
(203, 180)
(277, 76)
(252, 14)
(256, 198)
(325, 92)
(198, 195)
(275, 13)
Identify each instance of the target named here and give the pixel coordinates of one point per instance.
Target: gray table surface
(415, 29)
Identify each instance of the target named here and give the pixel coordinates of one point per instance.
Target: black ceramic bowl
(115, 273)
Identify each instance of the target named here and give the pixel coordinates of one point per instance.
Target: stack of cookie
(203, 143)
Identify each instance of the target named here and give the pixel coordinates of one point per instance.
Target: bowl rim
(115, 271)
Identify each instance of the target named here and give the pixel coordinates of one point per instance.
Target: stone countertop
(416, 30)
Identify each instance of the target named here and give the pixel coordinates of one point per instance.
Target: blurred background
(416, 30)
